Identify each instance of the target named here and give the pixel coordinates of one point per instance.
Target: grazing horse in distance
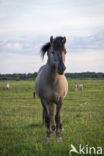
(51, 85)
(7, 86)
(78, 86)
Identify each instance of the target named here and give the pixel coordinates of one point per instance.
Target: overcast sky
(25, 25)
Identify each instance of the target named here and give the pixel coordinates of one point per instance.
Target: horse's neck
(52, 74)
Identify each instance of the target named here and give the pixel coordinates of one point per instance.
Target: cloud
(51, 17)
(95, 41)
(18, 63)
(26, 25)
(75, 62)
(19, 46)
(86, 60)
(12, 46)
(31, 46)
(8, 45)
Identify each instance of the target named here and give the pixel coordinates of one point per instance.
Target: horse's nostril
(63, 67)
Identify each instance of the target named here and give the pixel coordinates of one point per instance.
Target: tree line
(31, 76)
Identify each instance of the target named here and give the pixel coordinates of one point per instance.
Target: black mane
(58, 43)
(45, 48)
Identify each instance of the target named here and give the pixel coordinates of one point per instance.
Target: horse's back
(39, 80)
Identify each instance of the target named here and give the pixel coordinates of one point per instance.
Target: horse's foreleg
(47, 118)
(51, 110)
(61, 129)
(58, 120)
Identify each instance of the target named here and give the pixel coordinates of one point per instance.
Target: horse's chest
(54, 92)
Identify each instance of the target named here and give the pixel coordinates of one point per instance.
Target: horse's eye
(53, 52)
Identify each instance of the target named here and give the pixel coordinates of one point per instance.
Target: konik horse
(51, 85)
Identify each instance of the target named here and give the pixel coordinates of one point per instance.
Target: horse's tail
(34, 95)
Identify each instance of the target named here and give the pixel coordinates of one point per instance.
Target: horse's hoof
(59, 139)
(47, 139)
(52, 132)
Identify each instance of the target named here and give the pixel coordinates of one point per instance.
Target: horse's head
(56, 53)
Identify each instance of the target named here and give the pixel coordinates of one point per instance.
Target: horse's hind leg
(43, 116)
(47, 118)
(51, 110)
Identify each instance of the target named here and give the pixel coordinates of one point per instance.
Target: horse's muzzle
(61, 69)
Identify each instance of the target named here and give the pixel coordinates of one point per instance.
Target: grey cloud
(32, 46)
(95, 41)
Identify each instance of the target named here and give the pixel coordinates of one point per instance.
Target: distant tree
(24, 76)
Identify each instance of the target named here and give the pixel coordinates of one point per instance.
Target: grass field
(21, 129)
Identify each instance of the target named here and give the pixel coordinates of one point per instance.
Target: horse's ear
(64, 39)
(51, 39)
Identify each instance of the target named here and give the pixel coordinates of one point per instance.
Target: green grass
(21, 129)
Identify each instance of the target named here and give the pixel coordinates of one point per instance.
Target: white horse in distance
(78, 86)
(7, 86)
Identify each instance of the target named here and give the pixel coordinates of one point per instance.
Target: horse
(78, 86)
(51, 85)
(7, 86)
